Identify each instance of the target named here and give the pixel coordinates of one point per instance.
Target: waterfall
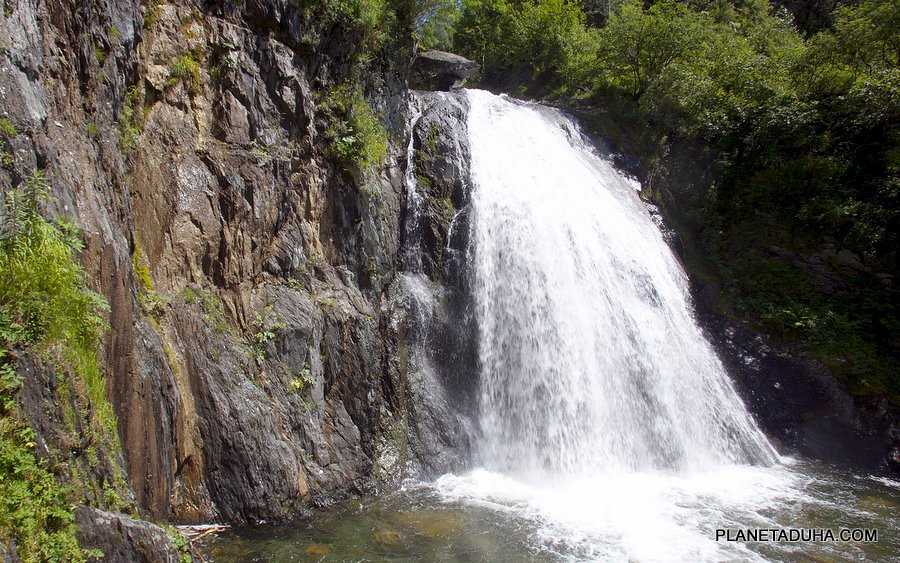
(591, 360)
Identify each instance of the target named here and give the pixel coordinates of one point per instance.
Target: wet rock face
(253, 368)
(434, 291)
(802, 407)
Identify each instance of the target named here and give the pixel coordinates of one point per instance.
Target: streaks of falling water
(591, 358)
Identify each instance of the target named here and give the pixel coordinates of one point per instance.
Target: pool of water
(484, 516)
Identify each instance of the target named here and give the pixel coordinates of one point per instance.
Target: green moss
(7, 128)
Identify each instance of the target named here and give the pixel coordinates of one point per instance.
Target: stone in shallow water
(385, 535)
(317, 550)
(432, 523)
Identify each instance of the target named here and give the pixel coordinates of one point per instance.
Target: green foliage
(303, 381)
(636, 46)
(213, 308)
(43, 292)
(151, 12)
(131, 120)
(266, 326)
(100, 54)
(152, 303)
(186, 69)
(35, 509)
(115, 36)
(355, 133)
(368, 22)
(181, 544)
(45, 304)
(7, 128)
(296, 284)
(435, 24)
(510, 34)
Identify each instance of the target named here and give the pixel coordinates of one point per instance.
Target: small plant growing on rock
(115, 36)
(8, 128)
(213, 308)
(100, 54)
(131, 119)
(185, 69)
(304, 380)
(266, 326)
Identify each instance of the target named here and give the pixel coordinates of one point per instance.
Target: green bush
(355, 133)
(43, 291)
(44, 304)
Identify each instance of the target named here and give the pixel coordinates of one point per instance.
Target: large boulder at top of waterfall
(438, 70)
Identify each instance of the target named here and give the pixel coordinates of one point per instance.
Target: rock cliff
(250, 360)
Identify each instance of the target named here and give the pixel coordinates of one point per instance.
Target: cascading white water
(591, 360)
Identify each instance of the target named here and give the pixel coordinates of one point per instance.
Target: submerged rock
(386, 536)
(433, 524)
(317, 550)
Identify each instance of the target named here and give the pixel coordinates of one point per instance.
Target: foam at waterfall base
(642, 516)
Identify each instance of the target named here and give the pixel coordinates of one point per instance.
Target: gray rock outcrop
(123, 539)
(439, 70)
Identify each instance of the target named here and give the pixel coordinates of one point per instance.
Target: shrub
(42, 286)
(355, 133)
(44, 304)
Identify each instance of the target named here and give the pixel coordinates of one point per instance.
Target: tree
(637, 45)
